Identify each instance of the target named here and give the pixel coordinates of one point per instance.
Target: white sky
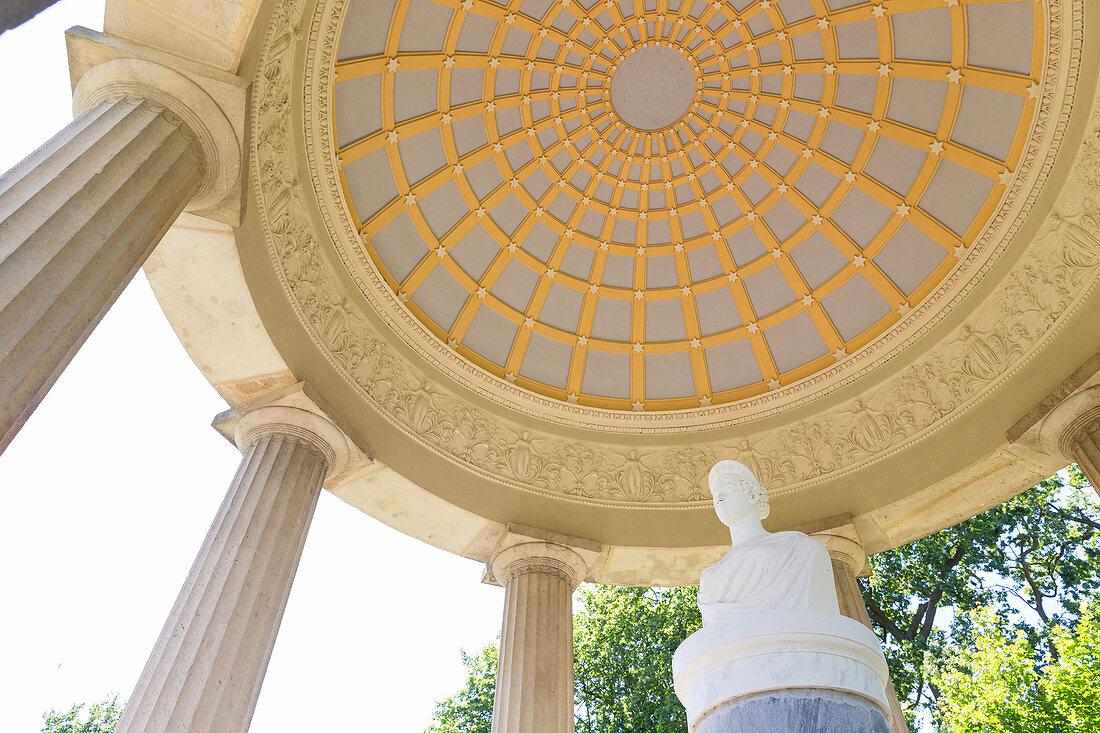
(109, 489)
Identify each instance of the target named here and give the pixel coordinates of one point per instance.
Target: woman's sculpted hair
(738, 475)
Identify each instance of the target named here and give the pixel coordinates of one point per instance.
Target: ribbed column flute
(78, 217)
(207, 667)
(1084, 448)
(534, 691)
(848, 558)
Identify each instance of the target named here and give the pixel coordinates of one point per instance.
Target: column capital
(844, 546)
(105, 68)
(1072, 419)
(296, 412)
(523, 547)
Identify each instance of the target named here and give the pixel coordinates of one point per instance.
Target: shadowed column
(534, 692)
(848, 558)
(77, 219)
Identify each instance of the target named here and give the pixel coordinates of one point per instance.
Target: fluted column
(534, 692)
(1084, 449)
(77, 219)
(848, 560)
(1072, 429)
(207, 666)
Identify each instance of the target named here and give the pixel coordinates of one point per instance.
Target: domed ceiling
(655, 205)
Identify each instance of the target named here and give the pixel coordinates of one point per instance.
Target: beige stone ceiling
(652, 205)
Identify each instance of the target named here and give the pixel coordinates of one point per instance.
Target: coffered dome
(659, 206)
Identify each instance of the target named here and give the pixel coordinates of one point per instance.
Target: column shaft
(78, 217)
(207, 667)
(851, 604)
(1086, 453)
(534, 691)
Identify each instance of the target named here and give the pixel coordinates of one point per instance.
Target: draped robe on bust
(784, 570)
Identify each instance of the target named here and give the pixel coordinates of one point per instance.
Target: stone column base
(780, 671)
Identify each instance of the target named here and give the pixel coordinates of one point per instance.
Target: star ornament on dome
(637, 347)
(878, 11)
(392, 64)
(638, 406)
(753, 328)
(954, 76)
(449, 62)
(774, 384)
(903, 209)
(410, 198)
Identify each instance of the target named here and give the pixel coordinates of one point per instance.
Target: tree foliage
(1033, 560)
(623, 641)
(986, 626)
(995, 685)
(102, 718)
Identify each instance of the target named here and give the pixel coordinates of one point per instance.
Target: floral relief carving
(1059, 269)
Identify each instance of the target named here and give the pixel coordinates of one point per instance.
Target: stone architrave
(539, 572)
(80, 215)
(207, 666)
(774, 652)
(849, 562)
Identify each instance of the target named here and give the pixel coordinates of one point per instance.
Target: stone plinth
(797, 670)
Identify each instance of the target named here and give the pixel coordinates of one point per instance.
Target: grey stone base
(795, 711)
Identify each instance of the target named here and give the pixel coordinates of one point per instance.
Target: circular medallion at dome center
(652, 88)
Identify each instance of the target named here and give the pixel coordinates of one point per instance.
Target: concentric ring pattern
(836, 161)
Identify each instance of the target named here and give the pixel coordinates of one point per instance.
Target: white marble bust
(763, 571)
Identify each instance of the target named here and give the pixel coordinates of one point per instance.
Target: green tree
(995, 685)
(102, 718)
(470, 710)
(623, 641)
(1033, 560)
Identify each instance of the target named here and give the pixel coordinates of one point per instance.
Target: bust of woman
(763, 570)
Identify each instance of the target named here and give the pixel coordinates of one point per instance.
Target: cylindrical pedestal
(783, 672)
(804, 711)
(535, 672)
(77, 219)
(208, 664)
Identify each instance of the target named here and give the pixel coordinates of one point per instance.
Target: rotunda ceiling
(651, 205)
